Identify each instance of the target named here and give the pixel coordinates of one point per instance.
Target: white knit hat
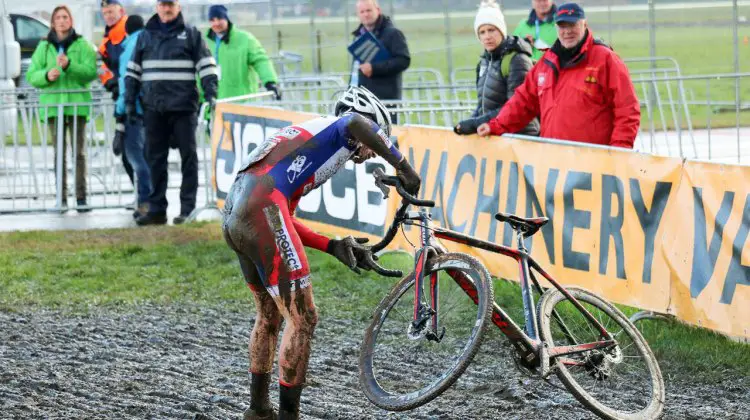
(489, 14)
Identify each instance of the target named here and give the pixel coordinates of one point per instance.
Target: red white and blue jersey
(311, 153)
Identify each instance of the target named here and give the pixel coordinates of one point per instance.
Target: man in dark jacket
(163, 68)
(382, 78)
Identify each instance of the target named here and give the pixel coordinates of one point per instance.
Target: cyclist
(260, 227)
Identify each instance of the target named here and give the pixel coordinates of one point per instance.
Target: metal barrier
(31, 180)
(203, 140)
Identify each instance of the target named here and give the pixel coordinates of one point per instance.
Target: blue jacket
(128, 46)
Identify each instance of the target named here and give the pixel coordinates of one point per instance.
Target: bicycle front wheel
(622, 382)
(403, 365)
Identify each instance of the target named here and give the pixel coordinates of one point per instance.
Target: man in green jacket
(539, 28)
(240, 58)
(62, 66)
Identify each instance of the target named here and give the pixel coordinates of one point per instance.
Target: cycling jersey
(283, 168)
(311, 153)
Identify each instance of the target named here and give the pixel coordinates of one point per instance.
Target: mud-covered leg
(262, 346)
(298, 309)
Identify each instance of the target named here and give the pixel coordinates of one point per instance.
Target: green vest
(80, 72)
(547, 33)
(241, 62)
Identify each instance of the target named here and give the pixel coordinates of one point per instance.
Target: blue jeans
(134, 144)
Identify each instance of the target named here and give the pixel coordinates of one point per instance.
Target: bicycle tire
(655, 399)
(485, 298)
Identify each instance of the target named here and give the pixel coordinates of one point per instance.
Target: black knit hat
(134, 23)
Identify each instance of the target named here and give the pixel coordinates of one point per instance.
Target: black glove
(119, 141)
(271, 86)
(113, 87)
(352, 253)
(131, 113)
(409, 178)
(466, 127)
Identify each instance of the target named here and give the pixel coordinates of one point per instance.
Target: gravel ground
(190, 362)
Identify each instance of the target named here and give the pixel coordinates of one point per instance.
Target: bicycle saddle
(528, 226)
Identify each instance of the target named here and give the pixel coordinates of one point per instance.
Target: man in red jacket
(580, 88)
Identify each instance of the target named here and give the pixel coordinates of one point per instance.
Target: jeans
(134, 150)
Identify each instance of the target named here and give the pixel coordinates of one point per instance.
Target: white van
(10, 68)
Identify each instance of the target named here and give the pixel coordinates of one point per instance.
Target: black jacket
(385, 82)
(164, 66)
(494, 89)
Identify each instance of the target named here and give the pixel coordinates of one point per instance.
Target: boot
(251, 414)
(152, 219)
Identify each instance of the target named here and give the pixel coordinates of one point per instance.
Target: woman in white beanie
(502, 67)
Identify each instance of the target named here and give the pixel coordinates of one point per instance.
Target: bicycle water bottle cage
(528, 226)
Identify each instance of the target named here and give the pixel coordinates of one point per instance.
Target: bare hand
(530, 39)
(53, 74)
(62, 60)
(366, 69)
(483, 130)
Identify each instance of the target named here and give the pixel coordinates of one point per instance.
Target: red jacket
(591, 100)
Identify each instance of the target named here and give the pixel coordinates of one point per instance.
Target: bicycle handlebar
(383, 182)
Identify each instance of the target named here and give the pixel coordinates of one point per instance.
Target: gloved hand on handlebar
(352, 253)
(408, 176)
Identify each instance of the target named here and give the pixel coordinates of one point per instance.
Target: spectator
(163, 68)
(110, 50)
(581, 89)
(132, 133)
(240, 59)
(539, 27)
(62, 66)
(384, 77)
(501, 68)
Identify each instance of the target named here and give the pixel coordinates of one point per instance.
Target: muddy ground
(178, 362)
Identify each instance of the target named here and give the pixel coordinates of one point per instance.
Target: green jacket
(241, 61)
(80, 72)
(547, 31)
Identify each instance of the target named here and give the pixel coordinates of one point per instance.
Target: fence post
(314, 56)
(272, 24)
(448, 47)
(737, 105)
(60, 128)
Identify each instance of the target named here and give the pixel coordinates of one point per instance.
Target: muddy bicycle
(428, 328)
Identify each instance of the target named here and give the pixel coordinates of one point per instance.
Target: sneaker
(152, 219)
(251, 414)
(82, 207)
(63, 207)
(180, 219)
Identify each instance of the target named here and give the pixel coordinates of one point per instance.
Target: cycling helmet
(362, 101)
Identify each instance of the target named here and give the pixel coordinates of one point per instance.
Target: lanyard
(536, 24)
(216, 54)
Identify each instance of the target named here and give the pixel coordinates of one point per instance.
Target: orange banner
(651, 232)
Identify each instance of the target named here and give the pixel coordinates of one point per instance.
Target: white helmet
(362, 101)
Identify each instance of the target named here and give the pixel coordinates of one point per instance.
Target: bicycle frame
(528, 343)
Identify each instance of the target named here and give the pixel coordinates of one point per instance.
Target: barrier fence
(659, 233)
(682, 116)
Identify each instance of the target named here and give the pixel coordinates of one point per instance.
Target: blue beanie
(218, 11)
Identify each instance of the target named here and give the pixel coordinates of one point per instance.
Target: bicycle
(582, 338)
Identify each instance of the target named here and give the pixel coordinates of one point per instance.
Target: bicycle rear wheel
(402, 367)
(621, 382)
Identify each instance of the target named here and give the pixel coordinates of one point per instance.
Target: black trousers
(180, 128)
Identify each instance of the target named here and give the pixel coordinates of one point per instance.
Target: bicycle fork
(425, 317)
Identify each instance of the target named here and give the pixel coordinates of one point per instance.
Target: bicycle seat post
(520, 240)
